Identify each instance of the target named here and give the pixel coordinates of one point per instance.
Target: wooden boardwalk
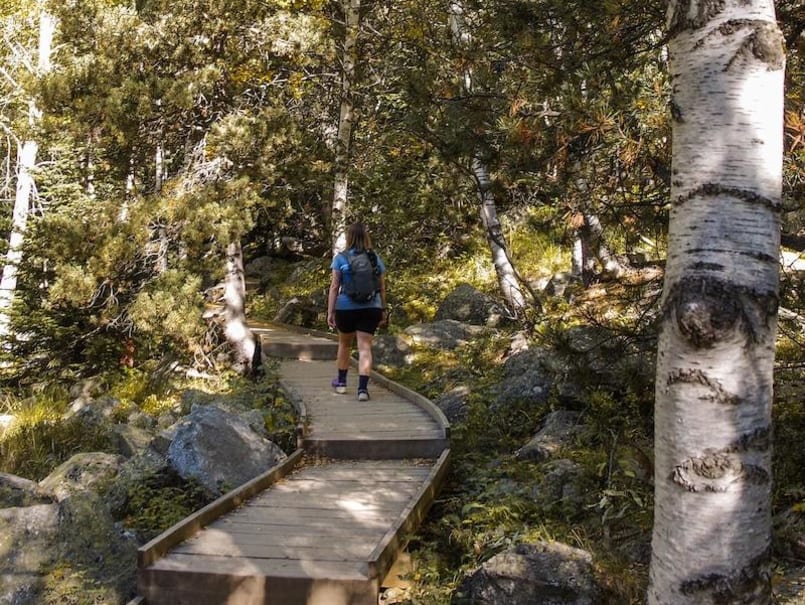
(325, 526)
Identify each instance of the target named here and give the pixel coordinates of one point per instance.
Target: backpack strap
(373, 259)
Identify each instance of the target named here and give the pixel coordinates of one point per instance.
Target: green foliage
(167, 313)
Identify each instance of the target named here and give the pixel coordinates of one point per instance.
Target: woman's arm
(384, 322)
(335, 284)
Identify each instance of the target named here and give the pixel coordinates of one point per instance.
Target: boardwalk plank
(335, 473)
(345, 551)
(301, 498)
(314, 518)
(252, 534)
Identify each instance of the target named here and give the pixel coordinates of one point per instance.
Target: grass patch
(39, 438)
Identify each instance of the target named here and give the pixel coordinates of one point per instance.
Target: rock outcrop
(546, 573)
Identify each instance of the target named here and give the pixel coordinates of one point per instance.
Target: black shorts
(358, 320)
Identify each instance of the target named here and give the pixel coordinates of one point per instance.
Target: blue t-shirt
(344, 302)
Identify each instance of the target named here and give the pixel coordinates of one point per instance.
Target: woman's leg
(364, 353)
(364, 364)
(345, 341)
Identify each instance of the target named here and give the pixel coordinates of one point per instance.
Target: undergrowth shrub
(157, 502)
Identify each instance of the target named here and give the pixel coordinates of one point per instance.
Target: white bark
(712, 526)
(159, 167)
(507, 278)
(345, 124)
(26, 163)
(577, 255)
(237, 333)
(596, 243)
(590, 243)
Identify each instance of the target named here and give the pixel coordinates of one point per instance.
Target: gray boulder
(80, 473)
(77, 539)
(527, 378)
(141, 420)
(129, 440)
(561, 487)
(592, 355)
(453, 403)
(562, 285)
(17, 491)
(264, 268)
(546, 573)
(468, 305)
(391, 351)
(299, 312)
(87, 389)
(220, 450)
(557, 430)
(27, 536)
(445, 334)
(92, 411)
(256, 421)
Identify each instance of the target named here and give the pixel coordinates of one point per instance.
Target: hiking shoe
(363, 395)
(340, 387)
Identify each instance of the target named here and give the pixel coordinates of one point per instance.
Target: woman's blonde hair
(358, 237)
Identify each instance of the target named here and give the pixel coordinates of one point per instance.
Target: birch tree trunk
(712, 520)
(504, 269)
(345, 123)
(593, 234)
(237, 333)
(26, 163)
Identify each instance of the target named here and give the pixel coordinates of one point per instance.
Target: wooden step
(295, 344)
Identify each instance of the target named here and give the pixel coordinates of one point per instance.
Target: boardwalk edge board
(382, 558)
(189, 526)
(412, 396)
(299, 405)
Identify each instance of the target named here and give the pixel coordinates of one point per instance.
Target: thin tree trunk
(346, 122)
(506, 274)
(712, 518)
(593, 234)
(26, 164)
(577, 255)
(237, 333)
(160, 232)
(590, 241)
(504, 270)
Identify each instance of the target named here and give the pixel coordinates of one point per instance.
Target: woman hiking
(356, 305)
